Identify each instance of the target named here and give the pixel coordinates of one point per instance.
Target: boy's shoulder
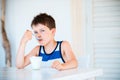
(66, 47)
(65, 43)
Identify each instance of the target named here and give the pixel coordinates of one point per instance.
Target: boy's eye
(42, 30)
(35, 32)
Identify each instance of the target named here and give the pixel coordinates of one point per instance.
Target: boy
(57, 52)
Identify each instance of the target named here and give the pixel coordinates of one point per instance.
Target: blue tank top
(47, 59)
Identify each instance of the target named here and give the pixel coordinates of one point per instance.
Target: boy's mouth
(39, 39)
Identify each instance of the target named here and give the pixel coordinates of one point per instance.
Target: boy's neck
(50, 46)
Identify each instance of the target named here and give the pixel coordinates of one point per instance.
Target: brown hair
(44, 19)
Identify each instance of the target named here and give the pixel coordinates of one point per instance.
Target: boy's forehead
(39, 26)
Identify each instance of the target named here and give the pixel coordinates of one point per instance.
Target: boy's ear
(53, 31)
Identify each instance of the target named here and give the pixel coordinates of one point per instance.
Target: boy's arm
(69, 57)
(21, 59)
(20, 55)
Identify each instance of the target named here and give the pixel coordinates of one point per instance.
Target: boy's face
(43, 34)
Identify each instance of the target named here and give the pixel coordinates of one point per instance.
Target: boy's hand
(57, 65)
(27, 36)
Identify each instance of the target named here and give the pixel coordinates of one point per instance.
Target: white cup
(35, 62)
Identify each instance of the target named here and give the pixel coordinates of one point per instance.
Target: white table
(48, 74)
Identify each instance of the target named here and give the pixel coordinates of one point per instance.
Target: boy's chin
(41, 44)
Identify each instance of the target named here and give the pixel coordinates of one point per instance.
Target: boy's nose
(38, 36)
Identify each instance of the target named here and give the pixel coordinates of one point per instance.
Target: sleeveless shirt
(47, 59)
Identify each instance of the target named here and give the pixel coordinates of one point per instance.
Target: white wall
(19, 14)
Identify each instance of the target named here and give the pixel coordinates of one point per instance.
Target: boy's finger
(55, 63)
(58, 67)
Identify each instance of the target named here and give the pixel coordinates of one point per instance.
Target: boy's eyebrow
(42, 28)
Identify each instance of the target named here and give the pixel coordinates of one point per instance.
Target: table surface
(48, 74)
